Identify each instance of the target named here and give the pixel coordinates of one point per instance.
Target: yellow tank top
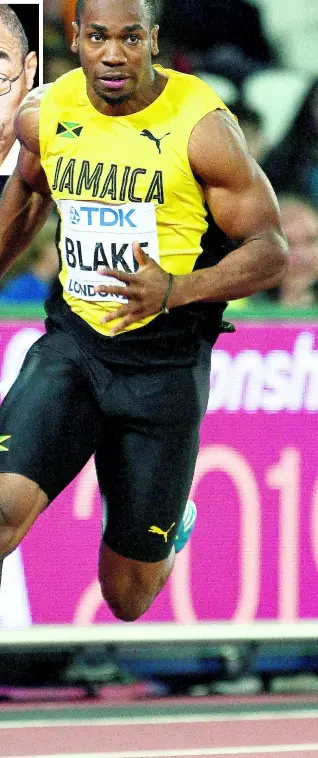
(116, 179)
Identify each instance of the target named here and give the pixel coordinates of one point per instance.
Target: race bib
(94, 235)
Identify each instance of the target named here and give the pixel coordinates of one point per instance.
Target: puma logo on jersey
(156, 140)
(3, 439)
(157, 530)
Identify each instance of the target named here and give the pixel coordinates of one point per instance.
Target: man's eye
(132, 39)
(96, 37)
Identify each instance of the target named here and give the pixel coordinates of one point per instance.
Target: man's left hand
(144, 290)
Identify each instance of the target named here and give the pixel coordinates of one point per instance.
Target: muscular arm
(26, 201)
(244, 206)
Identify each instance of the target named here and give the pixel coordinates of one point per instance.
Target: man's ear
(30, 66)
(154, 40)
(74, 45)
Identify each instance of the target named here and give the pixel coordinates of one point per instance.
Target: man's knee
(129, 596)
(21, 501)
(129, 587)
(127, 605)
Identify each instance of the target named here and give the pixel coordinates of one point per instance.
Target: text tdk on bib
(95, 234)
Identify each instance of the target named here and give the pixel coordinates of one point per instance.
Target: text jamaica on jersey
(111, 182)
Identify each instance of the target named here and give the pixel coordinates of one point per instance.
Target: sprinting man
(123, 369)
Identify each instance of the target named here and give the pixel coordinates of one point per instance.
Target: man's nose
(113, 54)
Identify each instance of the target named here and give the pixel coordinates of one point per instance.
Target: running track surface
(264, 726)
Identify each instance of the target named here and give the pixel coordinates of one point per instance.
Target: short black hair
(13, 24)
(151, 7)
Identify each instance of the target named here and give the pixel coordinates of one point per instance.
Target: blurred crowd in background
(261, 56)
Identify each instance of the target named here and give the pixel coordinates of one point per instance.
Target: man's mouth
(114, 82)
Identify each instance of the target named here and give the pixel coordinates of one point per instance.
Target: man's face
(11, 64)
(115, 44)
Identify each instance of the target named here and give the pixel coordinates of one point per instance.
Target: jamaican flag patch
(69, 129)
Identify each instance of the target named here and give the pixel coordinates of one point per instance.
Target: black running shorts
(141, 423)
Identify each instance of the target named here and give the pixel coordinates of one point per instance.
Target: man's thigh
(145, 464)
(49, 417)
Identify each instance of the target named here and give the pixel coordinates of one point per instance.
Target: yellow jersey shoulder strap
(192, 94)
(192, 99)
